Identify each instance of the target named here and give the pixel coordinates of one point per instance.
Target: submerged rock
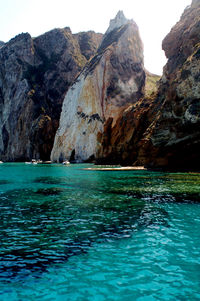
(109, 83)
(34, 77)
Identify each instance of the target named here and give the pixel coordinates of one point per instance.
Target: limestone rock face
(173, 138)
(34, 77)
(110, 82)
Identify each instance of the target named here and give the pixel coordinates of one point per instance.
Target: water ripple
(98, 236)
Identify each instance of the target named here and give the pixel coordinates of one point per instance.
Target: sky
(155, 19)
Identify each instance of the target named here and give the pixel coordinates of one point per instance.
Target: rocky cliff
(119, 144)
(34, 77)
(114, 110)
(173, 139)
(113, 80)
(162, 129)
(89, 42)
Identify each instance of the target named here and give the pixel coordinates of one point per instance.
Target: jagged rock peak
(112, 81)
(20, 37)
(117, 22)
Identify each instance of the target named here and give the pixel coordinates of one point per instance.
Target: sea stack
(112, 80)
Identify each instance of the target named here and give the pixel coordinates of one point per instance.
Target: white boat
(66, 162)
(33, 161)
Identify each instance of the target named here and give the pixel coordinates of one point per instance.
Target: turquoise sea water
(73, 234)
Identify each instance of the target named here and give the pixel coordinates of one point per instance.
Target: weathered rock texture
(173, 139)
(89, 42)
(119, 144)
(109, 83)
(34, 77)
(107, 114)
(162, 129)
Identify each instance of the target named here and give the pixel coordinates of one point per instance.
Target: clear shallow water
(73, 234)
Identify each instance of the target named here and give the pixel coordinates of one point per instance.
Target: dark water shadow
(51, 180)
(43, 227)
(163, 197)
(49, 191)
(4, 182)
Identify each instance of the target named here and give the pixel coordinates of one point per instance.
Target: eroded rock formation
(162, 129)
(119, 143)
(34, 77)
(173, 139)
(108, 114)
(109, 83)
(89, 42)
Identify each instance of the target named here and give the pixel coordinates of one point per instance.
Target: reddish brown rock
(162, 130)
(119, 144)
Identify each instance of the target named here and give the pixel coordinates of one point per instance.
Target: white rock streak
(112, 80)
